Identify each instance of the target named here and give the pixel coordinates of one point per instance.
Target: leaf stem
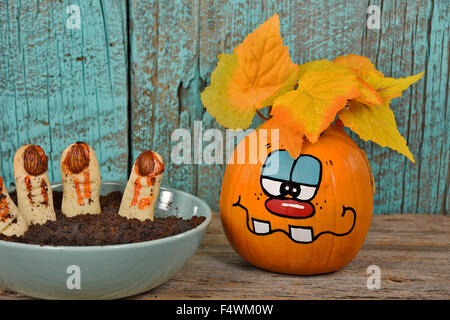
(262, 116)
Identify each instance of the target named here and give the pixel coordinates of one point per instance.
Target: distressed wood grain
(164, 88)
(413, 38)
(412, 252)
(60, 85)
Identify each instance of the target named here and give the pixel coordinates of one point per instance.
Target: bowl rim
(201, 227)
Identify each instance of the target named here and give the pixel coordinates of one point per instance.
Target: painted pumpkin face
(306, 215)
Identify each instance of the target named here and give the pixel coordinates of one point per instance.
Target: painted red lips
(290, 208)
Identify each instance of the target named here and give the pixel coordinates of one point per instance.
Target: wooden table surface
(412, 251)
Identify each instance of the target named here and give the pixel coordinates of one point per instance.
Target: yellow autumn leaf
(369, 95)
(369, 118)
(362, 66)
(323, 90)
(317, 66)
(217, 100)
(288, 139)
(391, 88)
(359, 64)
(375, 88)
(376, 123)
(258, 71)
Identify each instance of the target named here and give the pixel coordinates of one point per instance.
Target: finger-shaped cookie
(34, 194)
(12, 223)
(80, 175)
(141, 192)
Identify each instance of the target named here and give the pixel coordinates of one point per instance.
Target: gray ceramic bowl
(108, 272)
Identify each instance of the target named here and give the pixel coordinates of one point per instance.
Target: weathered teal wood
(413, 38)
(164, 79)
(61, 85)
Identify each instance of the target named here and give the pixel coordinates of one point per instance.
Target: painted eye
(270, 186)
(306, 192)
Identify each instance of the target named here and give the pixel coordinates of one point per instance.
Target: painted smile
(296, 233)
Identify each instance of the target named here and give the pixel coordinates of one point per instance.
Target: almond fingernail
(146, 163)
(34, 160)
(77, 158)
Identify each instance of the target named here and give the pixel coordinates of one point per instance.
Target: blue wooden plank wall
(133, 73)
(60, 85)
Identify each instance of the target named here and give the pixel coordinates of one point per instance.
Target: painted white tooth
(297, 206)
(261, 227)
(300, 234)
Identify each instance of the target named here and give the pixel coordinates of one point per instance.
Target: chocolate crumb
(106, 228)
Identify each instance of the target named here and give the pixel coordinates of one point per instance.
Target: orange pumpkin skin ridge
(346, 181)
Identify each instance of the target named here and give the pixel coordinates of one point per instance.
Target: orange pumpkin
(309, 216)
